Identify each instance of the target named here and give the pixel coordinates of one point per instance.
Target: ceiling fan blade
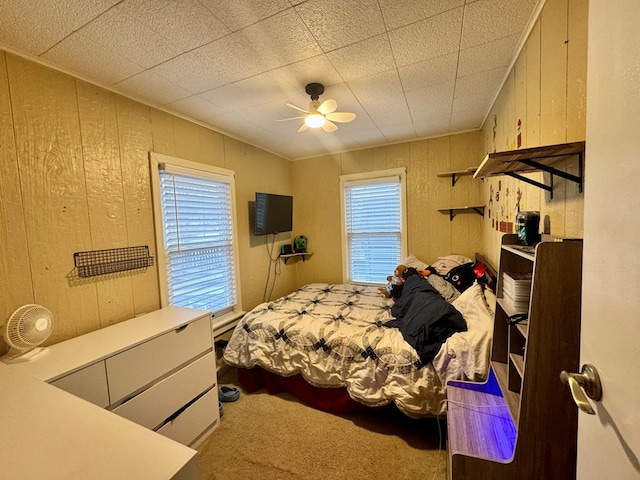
(303, 127)
(327, 106)
(297, 108)
(290, 118)
(329, 127)
(342, 117)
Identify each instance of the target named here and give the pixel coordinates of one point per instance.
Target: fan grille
(29, 326)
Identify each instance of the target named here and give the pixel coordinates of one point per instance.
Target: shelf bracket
(552, 171)
(454, 211)
(517, 176)
(454, 179)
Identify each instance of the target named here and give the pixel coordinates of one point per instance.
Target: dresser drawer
(89, 383)
(133, 369)
(153, 406)
(194, 420)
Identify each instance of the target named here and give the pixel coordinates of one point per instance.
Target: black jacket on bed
(425, 318)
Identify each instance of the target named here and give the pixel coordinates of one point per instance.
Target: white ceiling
(408, 68)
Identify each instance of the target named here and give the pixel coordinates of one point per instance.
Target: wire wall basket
(102, 262)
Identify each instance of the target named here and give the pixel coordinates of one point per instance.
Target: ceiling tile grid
(407, 68)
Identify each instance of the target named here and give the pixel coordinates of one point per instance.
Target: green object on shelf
(300, 244)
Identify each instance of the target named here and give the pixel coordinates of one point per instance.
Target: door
(609, 442)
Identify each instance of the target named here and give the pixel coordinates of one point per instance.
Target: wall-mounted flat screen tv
(274, 213)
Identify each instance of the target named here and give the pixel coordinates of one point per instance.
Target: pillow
(412, 261)
(472, 349)
(444, 264)
(443, 287)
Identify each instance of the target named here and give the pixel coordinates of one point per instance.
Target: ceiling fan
(320, 115)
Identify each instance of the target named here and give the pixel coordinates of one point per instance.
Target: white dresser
(157, 370)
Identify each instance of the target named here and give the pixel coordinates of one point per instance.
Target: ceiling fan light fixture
(314, 120)
(320, 115)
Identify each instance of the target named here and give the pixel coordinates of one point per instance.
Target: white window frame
(370, 178)
(156, 163)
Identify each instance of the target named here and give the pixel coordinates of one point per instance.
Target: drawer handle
(179, 329)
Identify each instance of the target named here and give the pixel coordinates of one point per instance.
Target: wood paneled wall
(74, 176)
(542, 102)
(430, 233)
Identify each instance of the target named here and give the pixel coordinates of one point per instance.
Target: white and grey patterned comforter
(334, 336)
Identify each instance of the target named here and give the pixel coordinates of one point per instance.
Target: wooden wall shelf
(457, 174)
(522, 423)
(304, 256)
(516, 162)
(453, 211)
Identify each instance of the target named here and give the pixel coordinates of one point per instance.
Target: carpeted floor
(266, 437)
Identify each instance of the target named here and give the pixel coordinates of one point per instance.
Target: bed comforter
(334, 335)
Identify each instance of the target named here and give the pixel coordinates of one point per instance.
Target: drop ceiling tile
(152, 88)
(462, 120)
(264, 115)
(224, 61)
(476, 102)
(364, 58)
(487, 56)
(437, 124)
(375, 87)
(423, 102)
(429, 72)
(257, 90)
(281, 39)
(119, 32)
(35, 27)
(197, 107)
(382, 97)
(483, 82)
(402, 132)
(77, 54)
(187, 23)
(411, 11)
(241, 128)
(316, 69)
(238, 14)
(488, 20)
(338, 23)
(368, 136)
(385, 115)
(428, 38)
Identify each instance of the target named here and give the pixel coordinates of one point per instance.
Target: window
(195, 233)
(373, 209)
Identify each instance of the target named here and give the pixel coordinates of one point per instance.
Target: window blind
(198, 241)
(373, 215)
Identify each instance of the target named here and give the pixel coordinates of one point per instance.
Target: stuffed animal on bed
(396, 281)
(393, 289)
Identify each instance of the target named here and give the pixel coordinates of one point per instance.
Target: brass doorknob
(589, 381)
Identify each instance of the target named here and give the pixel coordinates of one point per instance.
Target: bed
(337, 336)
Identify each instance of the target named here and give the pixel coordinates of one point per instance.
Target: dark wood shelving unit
(521, 423)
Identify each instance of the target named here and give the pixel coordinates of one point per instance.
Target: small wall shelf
(515, 162)
(457, 174)
(453, 211)
(304, 256)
